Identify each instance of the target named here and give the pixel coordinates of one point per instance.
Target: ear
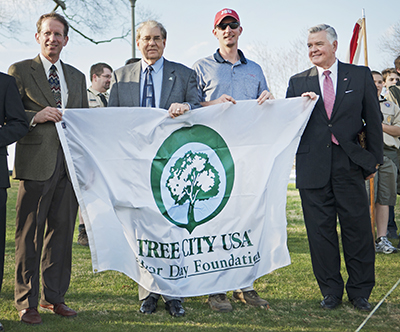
(214, 32)
(241, 30)
(335, 45)
(37, 38)
(65, 40)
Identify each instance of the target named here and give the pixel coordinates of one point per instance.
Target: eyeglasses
(106, 76)
(148, 39)
(232, 25)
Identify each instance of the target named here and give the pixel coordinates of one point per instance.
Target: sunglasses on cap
(232, 25)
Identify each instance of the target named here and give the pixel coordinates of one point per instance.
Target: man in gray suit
(46, 199)
(155, 82)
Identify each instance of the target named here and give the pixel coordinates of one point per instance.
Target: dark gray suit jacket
(179, 85)
(13, 122)
(356, 103)
(36, 153)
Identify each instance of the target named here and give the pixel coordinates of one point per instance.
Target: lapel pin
(345, 79)
(170, 78)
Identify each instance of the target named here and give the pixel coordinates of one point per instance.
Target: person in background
(390, 77)
(131, 60)
(387, 173)
(100, 76)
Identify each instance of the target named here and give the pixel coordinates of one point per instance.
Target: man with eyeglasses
(46, 204)
(155, 82)
(100, 76)
(228, 76)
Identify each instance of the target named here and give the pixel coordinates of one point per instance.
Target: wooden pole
(371, 181)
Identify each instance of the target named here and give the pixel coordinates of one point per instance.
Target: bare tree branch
(279, 64)
(391, 41)
(100, 41)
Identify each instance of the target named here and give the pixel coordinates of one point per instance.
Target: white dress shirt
(333, 75)
(157, 75)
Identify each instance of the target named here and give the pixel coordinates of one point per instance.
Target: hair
(97, 69)
(151, 24)
(331, 34)
(386, 72)
(397, 63)
(54, 16)
(375, 72)
(131, 60)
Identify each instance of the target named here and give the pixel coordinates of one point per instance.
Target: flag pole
(371, 181)
(365, 38)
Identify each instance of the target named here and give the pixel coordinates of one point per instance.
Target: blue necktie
(55, 85)
(148, 99)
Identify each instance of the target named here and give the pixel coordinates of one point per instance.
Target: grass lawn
(108, 301)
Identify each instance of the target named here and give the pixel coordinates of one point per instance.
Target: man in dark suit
(46, 199)
(331, 168)
(155, 82)
(14, 125)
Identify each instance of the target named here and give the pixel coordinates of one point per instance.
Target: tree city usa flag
(186, 206)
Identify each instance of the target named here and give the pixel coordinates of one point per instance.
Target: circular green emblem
(192, 176)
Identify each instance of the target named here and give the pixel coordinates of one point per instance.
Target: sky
(272, 24)
(266, 24)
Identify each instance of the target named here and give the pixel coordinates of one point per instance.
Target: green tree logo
(192, 176)
(193, 179)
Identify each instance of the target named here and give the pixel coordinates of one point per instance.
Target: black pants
(3, 208)
(343, 197)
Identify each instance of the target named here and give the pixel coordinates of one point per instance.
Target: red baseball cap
(226, 12)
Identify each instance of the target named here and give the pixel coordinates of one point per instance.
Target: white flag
(186, 206)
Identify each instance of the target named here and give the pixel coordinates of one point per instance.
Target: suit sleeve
(113, 100)
(192, 96)
(290, 93)
(85, 102)
(373, 118)
(16, 121)
(13, 71)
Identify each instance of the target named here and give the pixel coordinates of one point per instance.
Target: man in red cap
(229, 76)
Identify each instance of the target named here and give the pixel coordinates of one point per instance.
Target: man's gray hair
(151, 24)
(331, 34)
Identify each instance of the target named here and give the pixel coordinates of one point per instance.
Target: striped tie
(55, 85)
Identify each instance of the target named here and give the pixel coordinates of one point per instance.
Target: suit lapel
(167, 83)
(313, 85)
(72, 88)
(40, 78)
(135, 77)
(343, 81)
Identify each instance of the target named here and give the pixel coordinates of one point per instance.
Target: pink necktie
(329, 98)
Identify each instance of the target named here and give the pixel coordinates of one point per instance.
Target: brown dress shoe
(59, 309)
(30, 316)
